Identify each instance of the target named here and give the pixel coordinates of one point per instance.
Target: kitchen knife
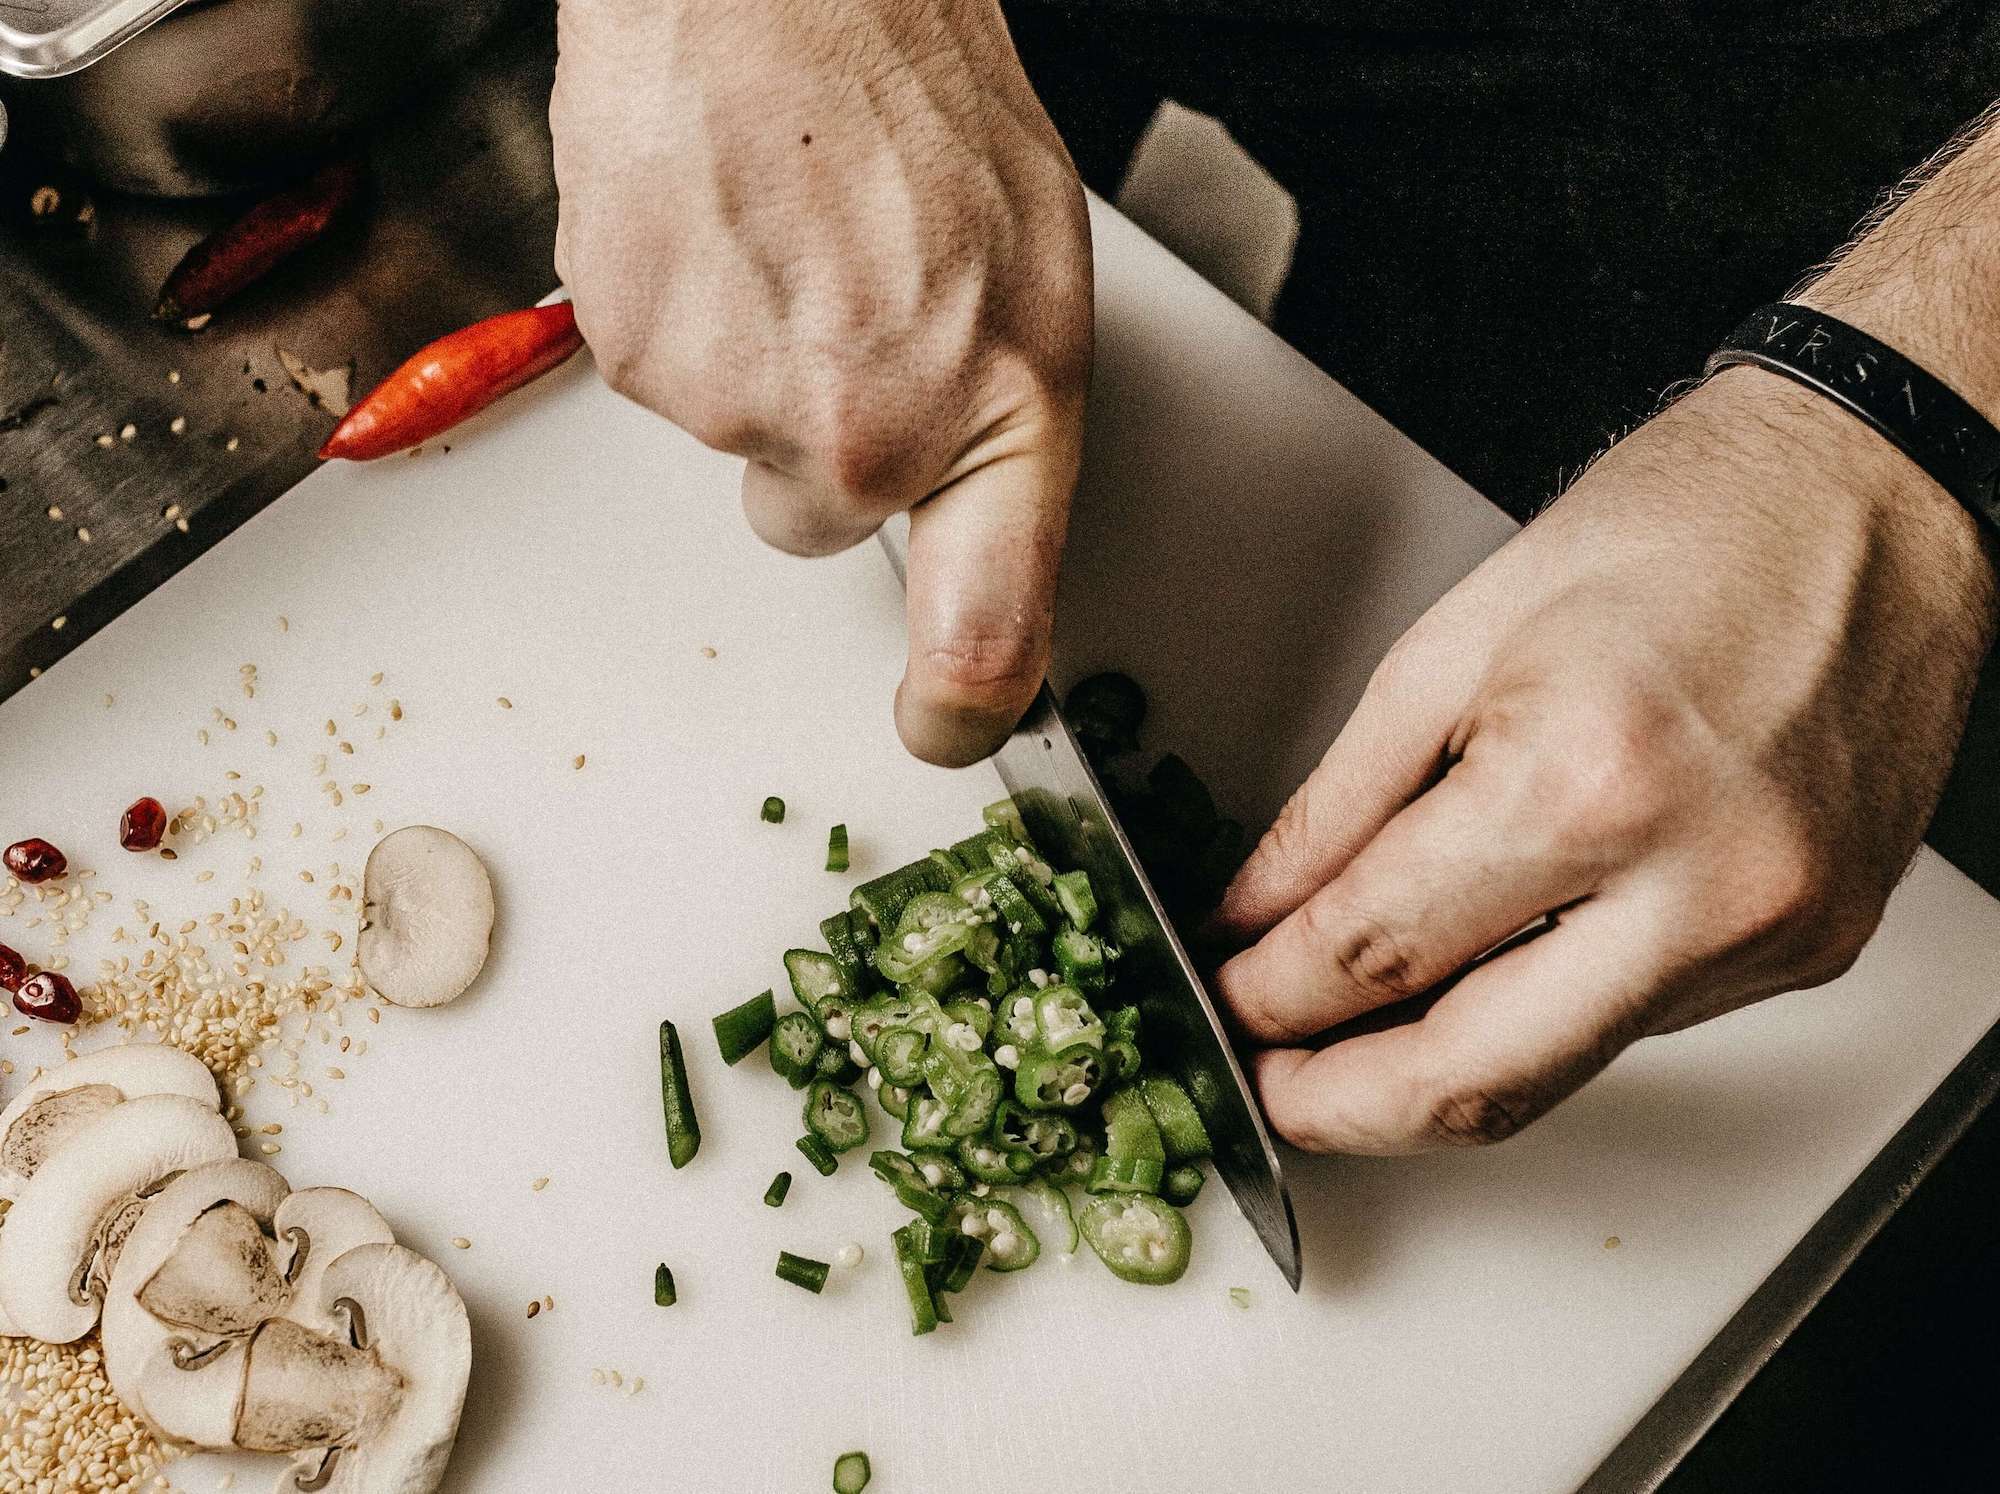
(1067, 813)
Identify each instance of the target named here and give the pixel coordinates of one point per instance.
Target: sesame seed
(178, 425)
(506, 704)
(548, 1304)
(128, 431)
(539, 1184)
(577, 762)
(534, 1308)
(708, 653)
(459, 1242)
(55, 510)
(60, 623)
(104, 441)
(173, 376)
(83, 536)
(270, 1148)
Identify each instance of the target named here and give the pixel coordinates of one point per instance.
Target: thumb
(984, 553)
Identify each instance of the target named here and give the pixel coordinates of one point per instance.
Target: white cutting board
(1248, 541)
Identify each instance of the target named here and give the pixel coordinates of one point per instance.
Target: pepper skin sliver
(453, 379)
(836, 849)
(851, 1473)
(664, 1294)
(801, 1271)
(235, 257)
(683, 1131)
(818, 1153)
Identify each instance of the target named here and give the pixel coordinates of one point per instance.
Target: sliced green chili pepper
(796, 1045)
(912, 1189)
(1082, 960)
(1182, 1185)
(683, 1130)
(1063, 1018)
(1019, 914)
(664, 1294)
(851, 1472)
(873, 1018)
(774, 811)
(1142, 1238)
(1010, 1244)
(916, 1278)
(774, 1196)
(1004, 815)
(802, 1271)
(1056, 1202)
(816, 979)
(1074, 897)
(818, 1153)
(881, 900)
(850, 959)
(1186, 1138)
(1039, 1134)
(949, 863)
(739, 1030)
(1058, 1081)
(1122, 1023)
(932, 926)
(836, 849)
(1017, 1018)
(962, 1254)
(835, 1064)
(976, 1014)
(923, 1126)
(836, 1116)
(1127, 1175)
(1130, 1132)
(895, 1100)
(899, 1054)
(1121, 1061)
(989, 1162)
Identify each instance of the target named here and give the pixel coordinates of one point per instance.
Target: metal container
(216, 95)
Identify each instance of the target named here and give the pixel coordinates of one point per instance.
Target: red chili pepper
(232, 258)
(454, 378)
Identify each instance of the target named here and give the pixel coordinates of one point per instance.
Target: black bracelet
(1922, 415)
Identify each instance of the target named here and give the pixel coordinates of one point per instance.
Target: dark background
(1520, 224)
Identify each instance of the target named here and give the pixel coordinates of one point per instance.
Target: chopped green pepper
(989, 1162)
(850, 959)
(1010, 1244)
(739, 1030)
(916, 1277)
(1056, 1202)
(881, 900)
(836, 849)
(1142, 1238)
(802, 1271)
(816, 979)
(1075, 898)
(796, 1045)
(851, 1472)
(1182, 1185)
(1058, 1081)
(683, 1130)
(774, 1196)
(664, 1294)
(836, 1116)
(1063, 1018)
(774, 811)
(899, 1054)
(818, 1153)
(1186, 1138)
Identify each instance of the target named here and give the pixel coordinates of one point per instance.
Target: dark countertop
(460, 225)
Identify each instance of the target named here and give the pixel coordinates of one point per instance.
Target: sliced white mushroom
(56, 1227)
(41, 1118)
(405, 1309)
(187, 1384)
(314, 1228)
(426, 916)
(222, 1278)
(304, 1390)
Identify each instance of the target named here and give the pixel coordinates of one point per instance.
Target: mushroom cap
(45, 1123)
(427, 916)
(414, 1319)
(192, 1407)
(334, 1221)
(51, 1230)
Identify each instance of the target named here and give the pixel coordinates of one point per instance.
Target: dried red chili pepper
(235, 257)
(35, 860)
(48, 996)
(143, 826)
(454, 378)
(13, 969)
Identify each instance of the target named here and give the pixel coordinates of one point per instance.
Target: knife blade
(1066, 811)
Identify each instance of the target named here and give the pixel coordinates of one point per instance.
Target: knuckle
(986, 669)
(1612, 789)
(1362, 950)
(1472, 1115)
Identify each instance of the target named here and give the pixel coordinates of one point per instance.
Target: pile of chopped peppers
(970, 995)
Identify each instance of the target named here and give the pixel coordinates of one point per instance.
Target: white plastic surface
(1249, 541)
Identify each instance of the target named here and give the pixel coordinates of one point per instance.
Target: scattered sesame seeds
(548, 1304)
(577, 762)
(534, 1309)
(181, 525)
(171, 511)
(173, 376)
(459, 1242)
(178, 425)
(375, 678)
(105, 441)
(707, 653)
(60, 623)
(539, 1184)
(128, 431)
(83, 536)
(395, 710)
(55, 510)
(231, 444)
(284, 625)
(1612, 1242)
(65, 1428)
(506, 704)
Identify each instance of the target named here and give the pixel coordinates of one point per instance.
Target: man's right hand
(842, 239)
